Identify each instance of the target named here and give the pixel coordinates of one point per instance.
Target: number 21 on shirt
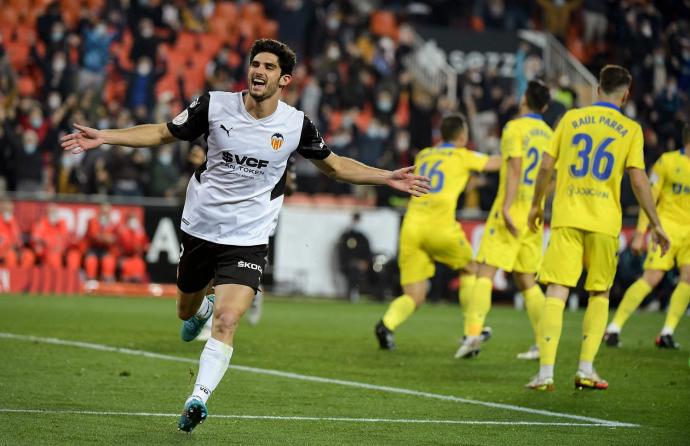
(435, 174)
(602, 163)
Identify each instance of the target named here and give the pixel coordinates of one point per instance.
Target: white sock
(214, 361)
(205, 309)
(546, 371)
(666, 331)
(586, 367)
(613, 328)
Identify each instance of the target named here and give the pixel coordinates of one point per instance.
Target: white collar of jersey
(249, 115)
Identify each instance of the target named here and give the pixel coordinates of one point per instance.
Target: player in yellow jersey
(671, 185)
(430, 231)
(592, 147)
(507, 243)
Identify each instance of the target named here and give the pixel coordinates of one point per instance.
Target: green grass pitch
(93, 394)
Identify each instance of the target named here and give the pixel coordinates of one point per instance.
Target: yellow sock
(550, 328)
(479, 306)
(534, 301)
(593, 327)
(398, 312)
(679, 303)
(467, 282)
(631, 300)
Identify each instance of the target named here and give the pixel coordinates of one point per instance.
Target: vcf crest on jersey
(276, 141)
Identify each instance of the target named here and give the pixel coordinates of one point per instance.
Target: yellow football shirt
(525, 137)
(670, 180)
(449, 169)
(593, 146)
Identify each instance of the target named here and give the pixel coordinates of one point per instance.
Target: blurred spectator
(594, 14)
(164, 173)
(133, 243)
(141, 85)
(12, 250)
(101, 245)
(354, 257)
(53, 244)
(28, 163)
(557, 15)
(95, 55)
(126, 168)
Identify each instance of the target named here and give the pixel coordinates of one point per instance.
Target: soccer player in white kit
(234, 198)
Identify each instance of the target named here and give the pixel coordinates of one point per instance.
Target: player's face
(264, 78)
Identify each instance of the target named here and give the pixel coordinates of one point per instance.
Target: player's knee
(226, 320)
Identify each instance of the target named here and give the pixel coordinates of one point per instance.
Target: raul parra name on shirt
(605, 120)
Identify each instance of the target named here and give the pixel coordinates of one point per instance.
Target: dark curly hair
(286, 57)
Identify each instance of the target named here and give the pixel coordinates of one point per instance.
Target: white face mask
(133, 223)
(104, 220)
(53, 218)
(7, 215)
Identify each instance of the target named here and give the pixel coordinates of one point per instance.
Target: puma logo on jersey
(226, 129)
(244, 160)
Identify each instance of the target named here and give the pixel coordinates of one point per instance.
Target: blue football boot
(192, 326)
(194, 413)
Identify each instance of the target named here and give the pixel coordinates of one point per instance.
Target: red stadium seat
(18, 53)
(227, 10)
(384, 23)
(268, 29)
(186, 42)
(252, 11)
(210, 44)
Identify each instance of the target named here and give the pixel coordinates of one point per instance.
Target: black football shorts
(201, 261)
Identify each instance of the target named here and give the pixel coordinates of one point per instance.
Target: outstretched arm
(354, 172)
(146, 135)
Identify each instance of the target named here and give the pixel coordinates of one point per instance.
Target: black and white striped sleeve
(311, 144)
(192, 122)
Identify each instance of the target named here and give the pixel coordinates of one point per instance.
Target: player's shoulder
(669, 157)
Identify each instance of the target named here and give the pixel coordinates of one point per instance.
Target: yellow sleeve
(636, 155)
(473, 160)
(656, 179)
(511, 141)
(553, 148)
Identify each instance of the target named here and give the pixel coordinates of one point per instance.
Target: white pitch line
(303, 418)
(398, 390)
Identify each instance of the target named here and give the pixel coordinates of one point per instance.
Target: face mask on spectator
(30, 148)
(341, 140)
(333, 52)
(59, 64)
(402, 143)
(103, 220)
(101, 29)
(147, 32)
(127, 150)
(57, 36)
(385, 105)
(53, 101)
(52, 217)
(133, 224)
(165, 158)
(36, 122)
(7, 215)
(143, 69)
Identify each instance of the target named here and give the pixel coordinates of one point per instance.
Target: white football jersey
(234, 198)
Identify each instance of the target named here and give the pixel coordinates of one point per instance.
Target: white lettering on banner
(4, 280)
(164, 240)
(504, 63)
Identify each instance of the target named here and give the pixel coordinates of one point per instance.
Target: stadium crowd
(120, 63)
(107, 251)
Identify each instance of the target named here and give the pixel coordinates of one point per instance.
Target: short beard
(262, 97)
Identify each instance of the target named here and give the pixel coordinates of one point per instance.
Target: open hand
(406, 181)
(87, 138)
(535, 218)
(659, 238)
